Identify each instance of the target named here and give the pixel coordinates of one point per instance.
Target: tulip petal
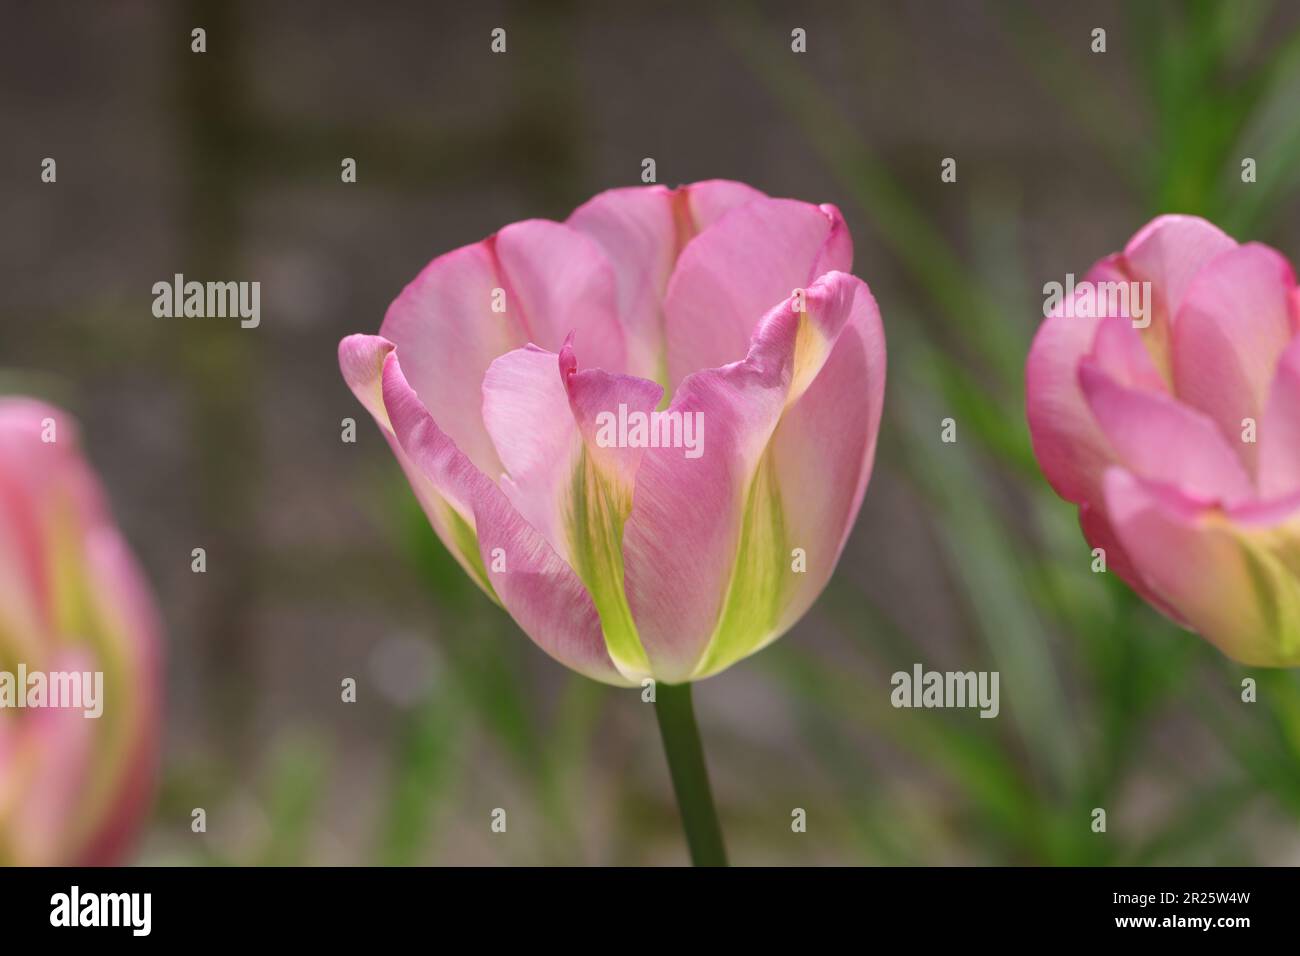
(1168, 252)
(1225, 584)
(706, 547)
(1099, 533)
(1118, 350)
(549, 279)
(1163, 440)
(728, 277)
(54, 522)
(127, 630)
(43, 768)
(709, 200)
(444, 324)
(361, 359)
(26, 614)
(1070, 448)
(577, 491)
(1279, 432)
(641, 230)
(535, 584)
(1234, 324)
(826, 439)
(563, 285)
(526, 411)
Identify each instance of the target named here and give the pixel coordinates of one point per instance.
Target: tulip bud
(1163, 399)
(78, 655)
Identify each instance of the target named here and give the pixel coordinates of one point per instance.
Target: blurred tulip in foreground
(645, 431)
(1176, 429)
(74, 787)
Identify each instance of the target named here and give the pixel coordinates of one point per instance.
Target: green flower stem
(690, 776)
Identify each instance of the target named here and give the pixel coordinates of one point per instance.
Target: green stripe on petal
(1283, 542)
(467, 550)
(1272, 558)
(598, 510)
(757, 591)
(1277, 592)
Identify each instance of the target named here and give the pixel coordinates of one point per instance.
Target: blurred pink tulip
(73, 788)
(1177, 431)
(500, 374)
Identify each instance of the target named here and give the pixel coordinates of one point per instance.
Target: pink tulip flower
(514, 379)
(1174, 424)
(73, 788)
